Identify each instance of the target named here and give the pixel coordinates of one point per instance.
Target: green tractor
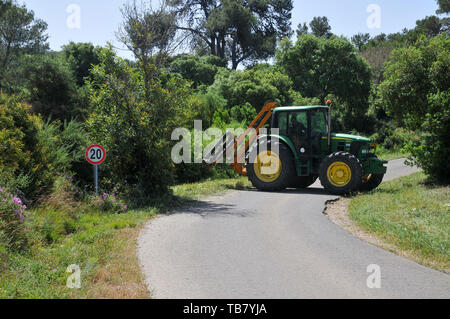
(305, 149)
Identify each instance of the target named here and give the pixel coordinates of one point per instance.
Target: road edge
(337, 212)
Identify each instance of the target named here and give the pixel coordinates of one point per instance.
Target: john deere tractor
(303, 150)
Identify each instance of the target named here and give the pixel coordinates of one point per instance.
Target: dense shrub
(25, 162)
(134, 122)
(74, 138)
(243, 113)
(34, 153)
(416, 93)
(432, 151)
(211, 101)
(391, 137)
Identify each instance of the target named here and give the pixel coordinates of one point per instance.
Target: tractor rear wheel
(370, 182)
(341, 173)
(303, 181)
(272, 170)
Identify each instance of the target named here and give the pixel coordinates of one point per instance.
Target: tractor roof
(299, 108)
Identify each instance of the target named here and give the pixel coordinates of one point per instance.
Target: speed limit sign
(95, 154)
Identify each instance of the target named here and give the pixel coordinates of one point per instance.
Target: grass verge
(389, 155)
(409, 215)
(101, 244)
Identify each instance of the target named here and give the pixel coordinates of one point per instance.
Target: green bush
(243, 113)
(191, 172)
(74, 139)
(34, 153)
(432, 151)
(25, 156)
(134, 119)
(416, 94)
(392, 138)
(211, 101)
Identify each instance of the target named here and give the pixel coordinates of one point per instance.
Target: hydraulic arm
(228, 141)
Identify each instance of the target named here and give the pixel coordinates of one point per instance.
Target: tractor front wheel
(341, 173)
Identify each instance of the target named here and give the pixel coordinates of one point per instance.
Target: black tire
(286, 174)
(353, 164)
(373, 181)
(303, 181)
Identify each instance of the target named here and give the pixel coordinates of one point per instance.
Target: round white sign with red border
(95, 154)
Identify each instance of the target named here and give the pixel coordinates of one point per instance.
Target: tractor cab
(306, 127)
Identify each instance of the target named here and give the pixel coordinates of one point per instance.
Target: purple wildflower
(17, 200)
(18, 214)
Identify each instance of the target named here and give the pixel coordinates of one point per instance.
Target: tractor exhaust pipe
(329, 103)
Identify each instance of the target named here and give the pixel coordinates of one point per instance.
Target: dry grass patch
(121, 276)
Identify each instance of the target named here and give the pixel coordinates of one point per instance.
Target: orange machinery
(240, 149)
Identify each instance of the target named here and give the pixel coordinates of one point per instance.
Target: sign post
(96, 178)
(95, 154)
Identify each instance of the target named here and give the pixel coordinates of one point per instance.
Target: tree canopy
(360, 40)
(198, 69)
(444, 6)
(321, 67)
(20, 33)
(320, 27)
(236, 30)
(81, 57)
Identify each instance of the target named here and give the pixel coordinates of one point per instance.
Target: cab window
(298, 123)
(319, 123)
(282, 123)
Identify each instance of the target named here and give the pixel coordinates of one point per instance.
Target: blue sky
(100, 19)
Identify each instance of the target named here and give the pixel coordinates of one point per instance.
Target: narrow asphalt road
(253, 244)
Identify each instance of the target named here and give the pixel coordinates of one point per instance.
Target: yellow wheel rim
(339, 174)
(267, 166)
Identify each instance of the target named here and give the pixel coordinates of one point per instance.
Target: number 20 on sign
(95, 154)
